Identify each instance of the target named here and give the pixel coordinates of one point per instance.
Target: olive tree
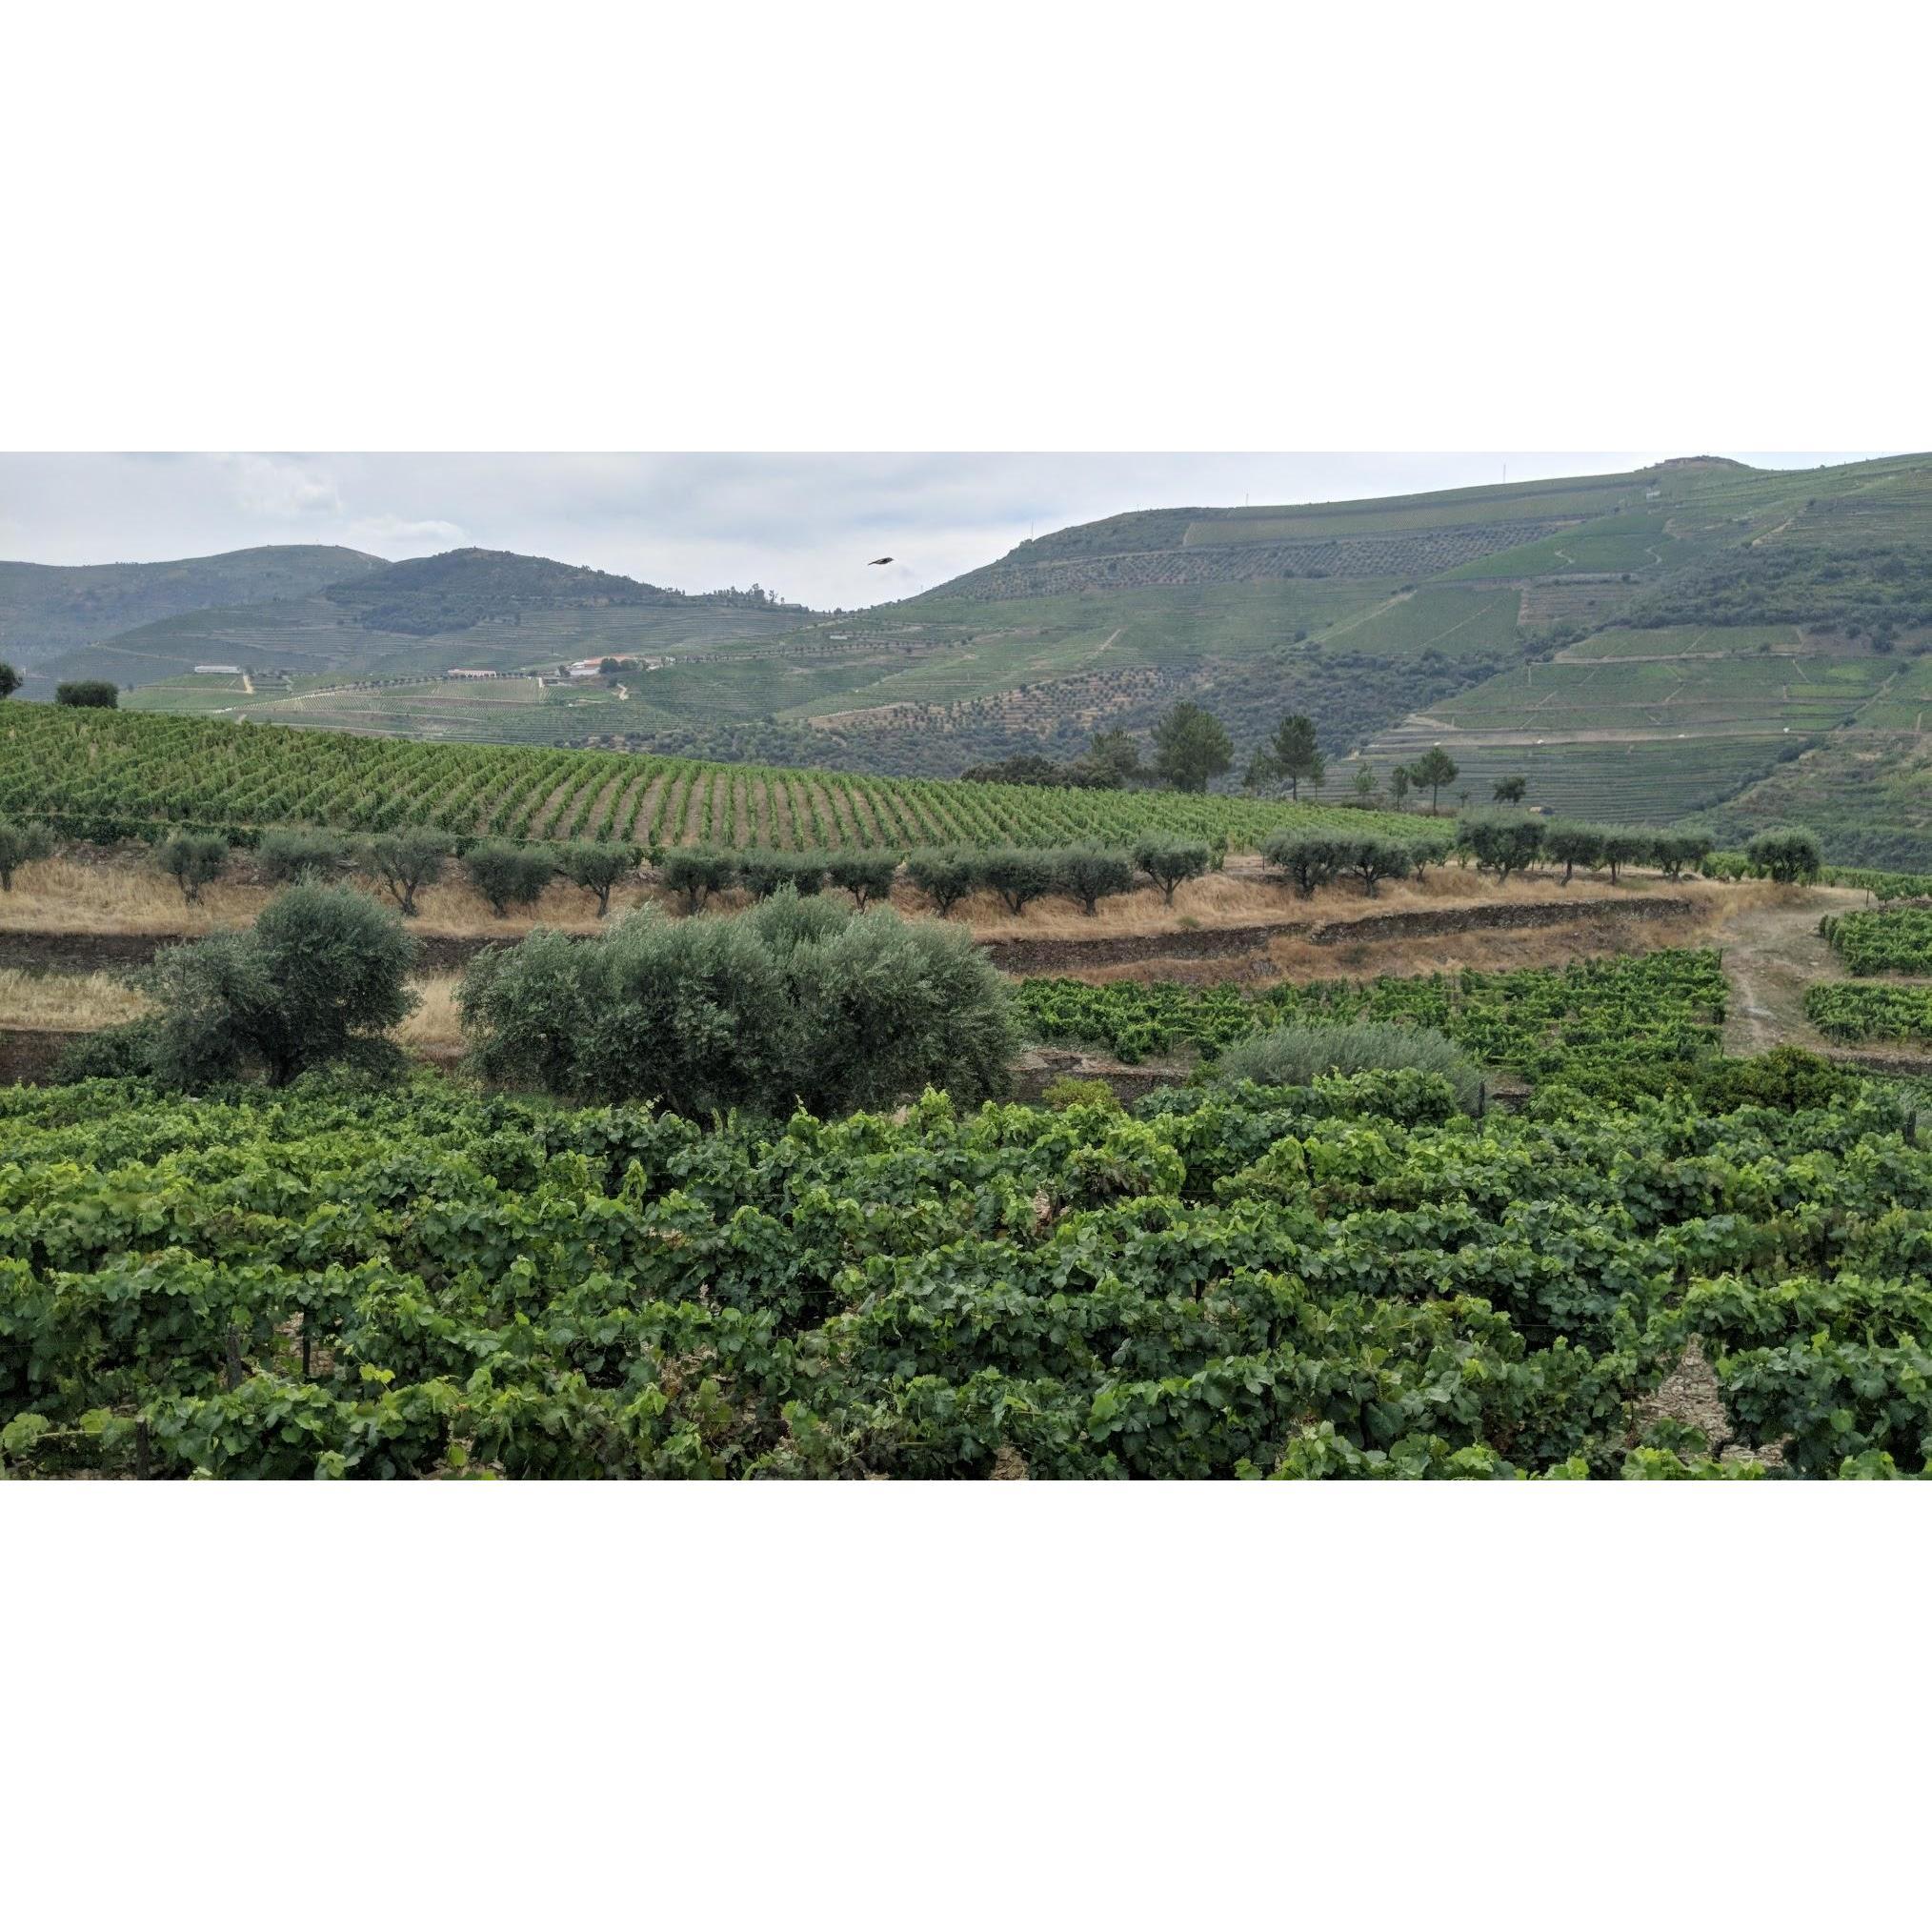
(21, 845)
(695, 872)
(1503, 843)
(1571, 845)
(299, 850)
(1626, 845)
(508, 875)
(1092, 872)
(404, 862)
(1019, 875)
(867, 875)
(319, 977)
(798, 1002)
(194, 859)
(1311, 859)
(598, 868)
(1170, 860)
(763, 871)
(944, 874)
(1786, 853)
(1375, 858)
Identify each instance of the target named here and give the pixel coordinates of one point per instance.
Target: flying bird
(878, 561)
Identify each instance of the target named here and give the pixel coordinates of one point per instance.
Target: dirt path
(1772, 953)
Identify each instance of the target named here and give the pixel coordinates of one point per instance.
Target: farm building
(217, 671)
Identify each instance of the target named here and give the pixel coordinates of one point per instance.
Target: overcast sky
(803, 525)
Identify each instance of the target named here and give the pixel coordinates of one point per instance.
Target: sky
(805, 527)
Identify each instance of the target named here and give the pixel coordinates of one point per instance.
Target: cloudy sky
(803, 525)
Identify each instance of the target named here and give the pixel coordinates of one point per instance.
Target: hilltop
(460, 589)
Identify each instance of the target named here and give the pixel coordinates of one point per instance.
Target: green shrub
(695, 872)
(300, 852)
(318, 978)
(404, 862)
(1088, 874)
(194, 859)
(797, 1001)
(944, 874)
(89, 694)
(867, 875)
(115, 1053)
(1298, 1055)
(21, 845)
(1786, 852)
(508, 875)
(598, 866)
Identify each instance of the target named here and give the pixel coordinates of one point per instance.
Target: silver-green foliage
(798, 1002)
(1297, 1054)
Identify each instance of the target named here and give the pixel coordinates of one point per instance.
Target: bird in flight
(878, 561)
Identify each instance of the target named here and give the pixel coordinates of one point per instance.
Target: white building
(217, 671)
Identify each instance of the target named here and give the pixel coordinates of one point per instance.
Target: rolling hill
(475, 609)
(1694, 638)
(49, 613)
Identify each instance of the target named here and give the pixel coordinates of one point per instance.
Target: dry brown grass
(128, 894)
(435, 1028)
(63, 896)
(67, 1002)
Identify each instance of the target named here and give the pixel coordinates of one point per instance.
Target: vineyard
(110, 775)
(1595, 1018)
(1849, 1012)
(1343, 1279)
(1896, 941)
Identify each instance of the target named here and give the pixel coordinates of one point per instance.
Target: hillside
(50, 613)
(1652, 644)
(474, 609)
(424, 596)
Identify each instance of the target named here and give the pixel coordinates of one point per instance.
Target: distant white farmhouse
(217, 671)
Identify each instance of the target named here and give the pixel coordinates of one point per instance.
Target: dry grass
(128, 894)
(63, 896)
(67, 1002)
(435, 1028)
